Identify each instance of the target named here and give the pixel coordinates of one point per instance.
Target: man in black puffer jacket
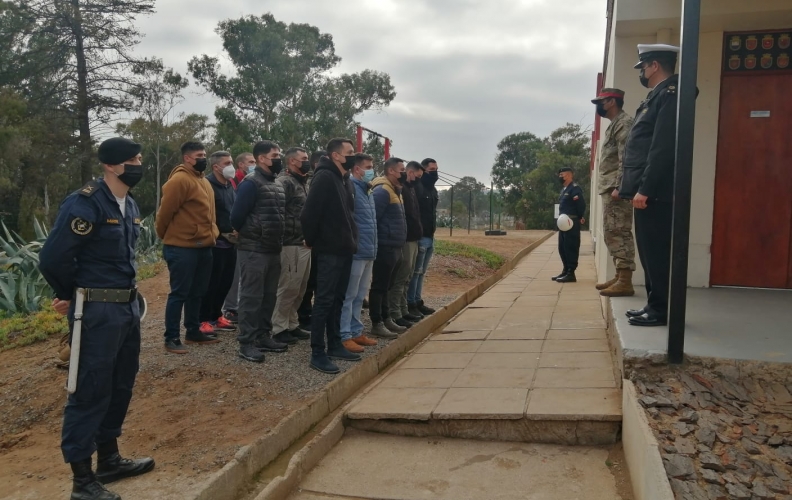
(258, 215)
(328, 224)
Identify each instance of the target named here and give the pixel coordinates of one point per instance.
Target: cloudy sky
(466, 72)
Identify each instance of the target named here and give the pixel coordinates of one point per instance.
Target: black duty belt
(571, 216)
(115, 295)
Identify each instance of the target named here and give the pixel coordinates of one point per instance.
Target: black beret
(117, 150)
(565, 169)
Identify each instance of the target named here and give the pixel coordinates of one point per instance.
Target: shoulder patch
(89, 189)
(81, 227)
(112, 221)
(671, 89)
(136, 220)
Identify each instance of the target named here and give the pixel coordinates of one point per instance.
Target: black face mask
(601, 110)
(429, 178)
(277, 166)
(349, 163)
(643, 79)
(403, 178)
(132, 175)
(305, 167)
(200, 164)
(561, 181)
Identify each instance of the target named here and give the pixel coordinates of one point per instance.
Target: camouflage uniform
(617, 215)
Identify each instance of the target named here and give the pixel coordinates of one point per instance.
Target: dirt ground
(191, 413)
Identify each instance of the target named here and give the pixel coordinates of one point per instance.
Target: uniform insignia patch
(87, 189)
(137, 220)
(81, 226)
(112, 221)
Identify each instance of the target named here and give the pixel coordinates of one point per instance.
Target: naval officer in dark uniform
(648, 180)
(92, 246)
(571, 203)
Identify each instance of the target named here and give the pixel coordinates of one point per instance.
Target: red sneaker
(206, 328)
(223, 325)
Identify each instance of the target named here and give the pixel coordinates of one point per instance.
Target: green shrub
(454, 249)
(18, 330)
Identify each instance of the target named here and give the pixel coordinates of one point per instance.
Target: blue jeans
(425, 252)
(358, 288)
(190, 270)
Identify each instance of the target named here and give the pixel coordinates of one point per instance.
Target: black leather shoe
(631, 313)
(646, 320)
(114, 467)
(563, 273)
(300, 334)
(567, 278)
(285, 337)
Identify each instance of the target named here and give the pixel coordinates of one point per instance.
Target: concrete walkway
(529, 348)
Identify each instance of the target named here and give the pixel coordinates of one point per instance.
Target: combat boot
(86, 486)
(110, 466)
(609, 283)
(622, 288)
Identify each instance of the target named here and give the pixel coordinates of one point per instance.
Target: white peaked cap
(650, 51)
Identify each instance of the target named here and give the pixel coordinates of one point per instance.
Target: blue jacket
(391, 223)
(366, 220)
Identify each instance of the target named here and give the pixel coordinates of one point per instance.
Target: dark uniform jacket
(649, 156)
(91, 245)
(412, 213)
(296, 192)
(224, 196)
(571, 201)
(328, 217)
(258, 213)
(427, 203)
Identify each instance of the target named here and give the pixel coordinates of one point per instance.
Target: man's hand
(305, 244)
(615, 194)
(582, 221)
(61, 306)
(639, 201)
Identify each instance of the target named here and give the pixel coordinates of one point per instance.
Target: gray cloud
(466, 72)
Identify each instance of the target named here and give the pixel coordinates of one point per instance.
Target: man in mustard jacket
(186, 226)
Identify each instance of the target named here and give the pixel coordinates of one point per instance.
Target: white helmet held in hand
(564, 222)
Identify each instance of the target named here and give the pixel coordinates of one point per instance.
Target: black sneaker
(250, 353)
(341, 353)
(232, 317)
(403, 322)
(321, 363)
(300, 334)
(426, 311)
(413, 308)
(285, 337)
(175, 346)
(412, 318)
(266, 344)
(200, 338)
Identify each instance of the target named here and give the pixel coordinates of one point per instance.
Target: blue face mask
(368, 175)
(251, 168)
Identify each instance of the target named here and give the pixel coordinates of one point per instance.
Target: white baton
(74, 360)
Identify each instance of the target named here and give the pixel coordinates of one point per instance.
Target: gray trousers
(232, 299)
(397, 295)
(295, 267)
(258, 288)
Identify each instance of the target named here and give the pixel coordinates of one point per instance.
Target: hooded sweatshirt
(391, 223)
(186, 217)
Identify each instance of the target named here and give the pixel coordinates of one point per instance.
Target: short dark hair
(191, 146)
(427, 161)
(619, 102)
(263, 147)
(361, 157)
(414, 165)
(666, 62)
(215, 158)
(335, 145)
(316, 156)
(391, 162)
(293, 151)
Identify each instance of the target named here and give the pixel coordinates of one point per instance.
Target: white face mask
(229, 172)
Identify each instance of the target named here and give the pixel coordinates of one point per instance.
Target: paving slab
(577, 334)
(449, 347)
(597, 345)
(575, 404)
(536, 301)
(505, 360)
(511, 346)
(495, 377)
(407, 403)
(367, 466)
(567, 321)
(439, 360)
(575, 360)
(518, 333)
(574, 378)
(438, 378)
(482, 403)
(461, 336)
(476, 319)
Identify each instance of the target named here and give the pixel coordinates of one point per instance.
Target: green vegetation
(19, 329)
(454, 249)
(460, 273)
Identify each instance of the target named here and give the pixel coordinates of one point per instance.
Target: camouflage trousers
(617, 220)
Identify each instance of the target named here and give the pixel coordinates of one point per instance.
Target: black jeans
(569, 246)
(190, 269)
(223, 264)
(258, 290)
(332, 280)
(653, 236)
(385, 266)
(306, 306)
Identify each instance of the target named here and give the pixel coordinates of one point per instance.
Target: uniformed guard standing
(91, 252)
(571, 203)
(648, 179)
(617, 214)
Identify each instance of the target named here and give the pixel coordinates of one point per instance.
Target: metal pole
(452, 211)
(359, 139)
(470, 209)
(683, 178)
(387, 148)
(490, 206)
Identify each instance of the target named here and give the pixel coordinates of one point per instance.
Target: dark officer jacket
(650, 151)
(91, 245)
(571, 201)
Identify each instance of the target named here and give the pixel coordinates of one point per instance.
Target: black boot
(111, 466)
(86, 486)
(425, 310)
(568, 278)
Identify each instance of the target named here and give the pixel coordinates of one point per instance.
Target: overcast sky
(466, 72)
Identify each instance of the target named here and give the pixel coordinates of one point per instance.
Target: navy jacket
(391, 222)
(328, 217)
(91, 245)
(366, 220)
(224, 196)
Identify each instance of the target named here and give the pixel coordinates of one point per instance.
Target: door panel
(751, 244)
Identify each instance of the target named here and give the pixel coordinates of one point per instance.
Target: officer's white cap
(650, 51)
